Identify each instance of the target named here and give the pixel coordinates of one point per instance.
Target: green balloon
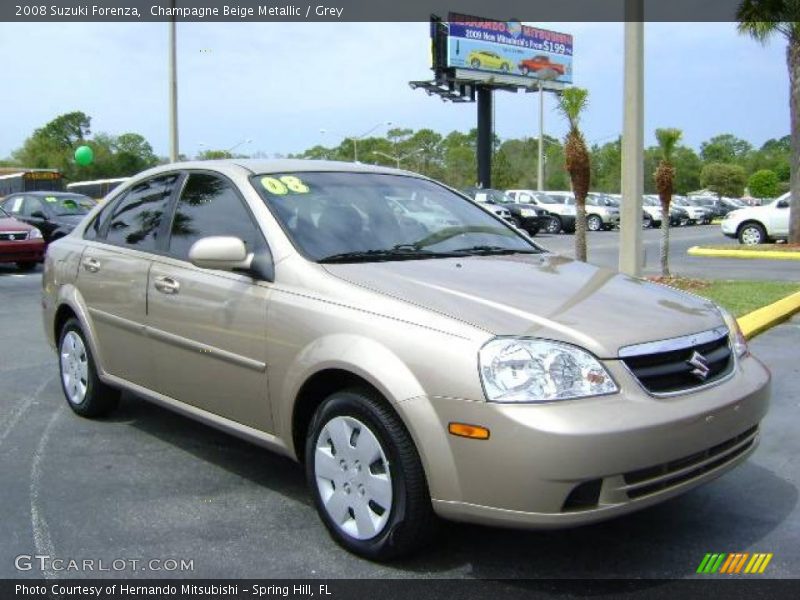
(84, 155)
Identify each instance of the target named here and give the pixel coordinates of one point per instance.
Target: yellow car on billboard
(484, 59)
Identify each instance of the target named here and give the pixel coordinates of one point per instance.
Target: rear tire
(553, 225)
(594, 223)
(86, 395)
(366, 477)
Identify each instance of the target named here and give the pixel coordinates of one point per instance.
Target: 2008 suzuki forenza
(419, 362)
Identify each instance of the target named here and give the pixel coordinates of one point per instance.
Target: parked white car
(759, 224)
(599, 214)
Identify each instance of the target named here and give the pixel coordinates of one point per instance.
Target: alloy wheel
(74, 367)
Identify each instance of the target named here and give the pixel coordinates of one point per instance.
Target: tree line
(725, 163)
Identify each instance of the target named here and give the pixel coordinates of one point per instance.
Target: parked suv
(759, 224)
(599, 214)
(468, 374)
(527, 217)
(562, 216)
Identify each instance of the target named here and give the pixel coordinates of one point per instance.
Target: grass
(739, 297)
(756, 248)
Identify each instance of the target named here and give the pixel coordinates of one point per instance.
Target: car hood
(68, 220)
(11, 224)
(547, 296)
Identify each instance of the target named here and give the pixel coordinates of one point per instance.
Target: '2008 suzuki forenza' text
(429, 361)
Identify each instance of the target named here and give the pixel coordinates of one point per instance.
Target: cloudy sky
(280, 84)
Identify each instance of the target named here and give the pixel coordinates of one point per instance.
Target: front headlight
(34, 234)
(527, 212)
(528, 370)
(738, 341)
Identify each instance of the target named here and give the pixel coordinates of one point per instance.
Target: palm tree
(571, 104)
(665, 178)
(762, 20)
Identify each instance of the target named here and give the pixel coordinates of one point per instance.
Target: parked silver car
(467, 373)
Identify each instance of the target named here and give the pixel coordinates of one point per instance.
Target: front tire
(26, 266)
(366, 477)
(594, 223)
(86, 395)
(751, 234)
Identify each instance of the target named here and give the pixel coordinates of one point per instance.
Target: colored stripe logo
(735, 563)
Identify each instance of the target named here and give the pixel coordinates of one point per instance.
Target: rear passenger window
(136, 218)
(210, 205)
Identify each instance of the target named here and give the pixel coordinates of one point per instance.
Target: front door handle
(167, 285)
(91, 264)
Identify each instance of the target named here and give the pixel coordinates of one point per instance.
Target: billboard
(508, 48)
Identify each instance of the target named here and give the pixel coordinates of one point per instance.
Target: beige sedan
(417, 368)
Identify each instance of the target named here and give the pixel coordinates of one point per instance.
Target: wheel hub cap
(74, 367)
(353, 477)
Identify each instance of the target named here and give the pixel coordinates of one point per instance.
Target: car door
(209, 327)
(779, 218)
(113, 272)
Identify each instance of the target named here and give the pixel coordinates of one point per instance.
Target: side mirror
(225, 253)
(783, 204)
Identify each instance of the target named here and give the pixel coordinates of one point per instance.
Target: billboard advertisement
(508, 48)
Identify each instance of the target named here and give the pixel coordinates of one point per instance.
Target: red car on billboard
(540, 63)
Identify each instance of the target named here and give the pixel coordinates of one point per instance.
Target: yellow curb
(768, 316)
(775, 255)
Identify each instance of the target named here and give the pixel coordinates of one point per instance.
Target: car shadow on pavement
(733, 513)
(259, 465)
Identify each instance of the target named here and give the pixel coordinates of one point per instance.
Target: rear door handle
(167, 285)
(91, 264)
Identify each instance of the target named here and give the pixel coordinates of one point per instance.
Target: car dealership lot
(604, 251)
(148, 484)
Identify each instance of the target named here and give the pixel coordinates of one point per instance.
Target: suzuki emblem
(700, 364)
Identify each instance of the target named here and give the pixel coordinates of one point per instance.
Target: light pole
(357, 138)
(173, 93)
(540, 165)
(398, 158)
(245, 141)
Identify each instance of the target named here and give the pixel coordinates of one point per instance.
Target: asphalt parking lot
(603, 250)
(147, 484)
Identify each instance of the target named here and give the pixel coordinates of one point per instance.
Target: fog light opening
(584, 497)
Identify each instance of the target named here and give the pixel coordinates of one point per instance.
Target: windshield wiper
(487, 250)
(401, 252)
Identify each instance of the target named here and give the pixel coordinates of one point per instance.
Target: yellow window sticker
(282, 185)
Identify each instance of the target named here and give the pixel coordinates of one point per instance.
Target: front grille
(670, 370)
(659, 477)
(13, 236)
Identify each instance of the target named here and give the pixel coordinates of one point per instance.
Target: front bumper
(22, 251)
(728, 228)
(575, 462)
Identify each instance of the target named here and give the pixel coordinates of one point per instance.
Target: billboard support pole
(630, 248)
(485, 135)
(540, 163)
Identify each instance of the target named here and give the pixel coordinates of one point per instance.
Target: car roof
(278, 165)
(45, 193)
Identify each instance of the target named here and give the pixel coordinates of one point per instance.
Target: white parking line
(41, 531)
(8, 426)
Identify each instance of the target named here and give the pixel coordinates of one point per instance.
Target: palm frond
(572, 102)
(762, 19)
(668, 138)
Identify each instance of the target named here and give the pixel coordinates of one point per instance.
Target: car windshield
(67, 205)
(4, 214)
(353, 217)
(702, 202)
(545, 199)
